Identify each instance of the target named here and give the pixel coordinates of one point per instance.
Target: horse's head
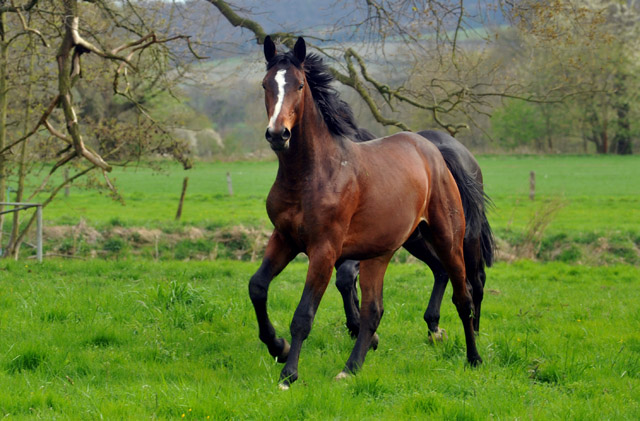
(283, 92)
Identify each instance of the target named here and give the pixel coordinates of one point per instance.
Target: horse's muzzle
(278, 139)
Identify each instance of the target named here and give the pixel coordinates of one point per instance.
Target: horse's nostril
(286, 134)
(267, 134)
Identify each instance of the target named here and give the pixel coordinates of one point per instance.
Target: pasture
(136, 338)
(171, 340)
(599, 193)
(586, 208)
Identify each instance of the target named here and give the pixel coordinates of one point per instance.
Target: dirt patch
(193, 233)
(146, 236)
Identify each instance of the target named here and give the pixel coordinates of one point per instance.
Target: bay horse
(334, 199)
(479, 244)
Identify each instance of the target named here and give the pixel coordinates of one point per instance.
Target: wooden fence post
(184, 192)
(229, 184)
(532, 185)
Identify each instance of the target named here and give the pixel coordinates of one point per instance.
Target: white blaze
(281, 83)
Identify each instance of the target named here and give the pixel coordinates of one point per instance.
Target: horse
(334, 200)
(479, 244)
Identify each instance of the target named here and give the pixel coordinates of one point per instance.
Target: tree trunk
(622, 139)
(598, 131)
(4, 63)
(547, 122)
(13, 248)
(604, 137)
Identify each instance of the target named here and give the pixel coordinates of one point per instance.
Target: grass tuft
(28, 360)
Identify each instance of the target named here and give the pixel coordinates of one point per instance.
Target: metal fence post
(18, 206)
(39, 233)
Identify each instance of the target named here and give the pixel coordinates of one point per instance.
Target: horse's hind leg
(447, 242)
(419, 249)
(371, 281)
(474, 265)
(346, 277)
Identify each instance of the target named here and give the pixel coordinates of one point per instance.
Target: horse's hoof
(374, 341)
(439, 335)
(284, 354)
(475, 361)
(283, 386)
(342, 375)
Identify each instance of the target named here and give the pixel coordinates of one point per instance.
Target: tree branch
(13, 9)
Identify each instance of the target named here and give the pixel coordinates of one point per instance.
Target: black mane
(336, 113)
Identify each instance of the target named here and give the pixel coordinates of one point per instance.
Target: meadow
(591, 189)
(178, 340)
(128, 337)
(586, 209)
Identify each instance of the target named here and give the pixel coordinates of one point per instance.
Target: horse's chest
(287, 217)
(302, 220)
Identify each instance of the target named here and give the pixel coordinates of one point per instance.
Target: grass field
(586, 210)
(132, 338)
(599, 193)
(176, 340)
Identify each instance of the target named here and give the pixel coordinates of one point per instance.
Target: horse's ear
(269, 48)
(300, 50)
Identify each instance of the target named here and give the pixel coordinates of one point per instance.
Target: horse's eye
(301, 86)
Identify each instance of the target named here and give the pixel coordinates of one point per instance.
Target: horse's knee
(258, 287)
(476, 287)
(302, 322)
(482, 275)
(464, 304)
(346, 275)
(376, 310)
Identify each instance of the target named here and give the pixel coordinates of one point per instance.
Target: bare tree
(132, 73)
(442, 43)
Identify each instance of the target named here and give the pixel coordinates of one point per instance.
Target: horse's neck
(312, 149)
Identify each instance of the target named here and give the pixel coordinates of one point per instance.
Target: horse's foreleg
(277, 255)
(371, 280)
(321, 261)
(346, 276)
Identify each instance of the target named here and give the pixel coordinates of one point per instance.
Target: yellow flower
(183, 415)
(579, 320)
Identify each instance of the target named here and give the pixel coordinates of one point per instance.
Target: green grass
(140, 339)
(599, 194)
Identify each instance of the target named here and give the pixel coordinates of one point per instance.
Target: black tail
(474, 202)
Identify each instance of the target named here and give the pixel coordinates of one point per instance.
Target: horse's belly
(381, 228)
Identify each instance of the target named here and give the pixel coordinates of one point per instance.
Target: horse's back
(450, 146)
(402, 178)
